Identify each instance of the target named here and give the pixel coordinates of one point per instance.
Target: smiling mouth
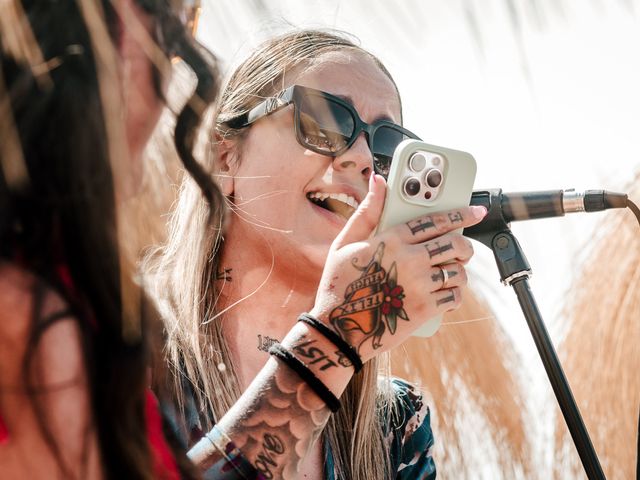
(339, 203)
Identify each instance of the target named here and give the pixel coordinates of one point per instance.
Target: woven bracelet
(346, 349)
(307, 375)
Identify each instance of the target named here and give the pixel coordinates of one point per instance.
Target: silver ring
(445, 276)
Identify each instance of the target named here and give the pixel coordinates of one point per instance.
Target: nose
(357, 158)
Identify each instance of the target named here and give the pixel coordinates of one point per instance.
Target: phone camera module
(412, 186)
(418, 161)
(433, 178)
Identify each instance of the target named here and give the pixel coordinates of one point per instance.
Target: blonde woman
(302, 126)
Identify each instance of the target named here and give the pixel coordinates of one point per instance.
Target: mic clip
(494, 232)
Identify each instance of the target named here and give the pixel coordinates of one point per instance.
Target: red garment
(4, 432)
(164, 464)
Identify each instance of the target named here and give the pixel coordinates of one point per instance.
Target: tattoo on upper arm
(224, 274)
(437, 249)
(372, 304)
(455, 217)
(420, 225)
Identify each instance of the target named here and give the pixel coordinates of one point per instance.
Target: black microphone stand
(494, 232)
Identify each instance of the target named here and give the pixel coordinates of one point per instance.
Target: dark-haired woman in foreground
(74, 398)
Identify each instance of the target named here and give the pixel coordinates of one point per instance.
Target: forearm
(276, 421)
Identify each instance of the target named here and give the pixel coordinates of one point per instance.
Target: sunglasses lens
(325, 126)
(384, 143)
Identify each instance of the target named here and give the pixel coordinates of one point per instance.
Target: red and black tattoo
(373, 303)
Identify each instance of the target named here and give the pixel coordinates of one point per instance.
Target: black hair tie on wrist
(348, 350)
(307, 375)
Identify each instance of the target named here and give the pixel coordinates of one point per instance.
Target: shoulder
(409, 431)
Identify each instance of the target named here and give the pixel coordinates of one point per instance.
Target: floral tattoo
(372, 304)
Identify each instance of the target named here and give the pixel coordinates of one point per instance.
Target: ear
(226, 163)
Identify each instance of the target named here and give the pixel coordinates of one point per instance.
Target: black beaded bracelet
(348, 350)
(327, 396)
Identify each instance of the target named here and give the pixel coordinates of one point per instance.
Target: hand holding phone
(426, 179)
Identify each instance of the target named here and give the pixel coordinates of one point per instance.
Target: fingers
(447, 299)
(447, 276)
(365, 219)
(452, 247)
(434, 225)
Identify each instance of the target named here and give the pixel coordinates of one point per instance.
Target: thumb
(365, 219)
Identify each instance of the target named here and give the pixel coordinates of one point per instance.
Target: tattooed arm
(277, 420)
(374, 292)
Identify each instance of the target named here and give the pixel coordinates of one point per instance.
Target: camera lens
(417, 162)
(412, 186)
(433, 178)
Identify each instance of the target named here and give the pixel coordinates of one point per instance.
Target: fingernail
(478, 211)
(372, 180)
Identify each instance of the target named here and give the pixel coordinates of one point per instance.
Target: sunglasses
(328, 125)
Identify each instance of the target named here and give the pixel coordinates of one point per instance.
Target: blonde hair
(466, 370)
(182, 279)
(600, 352)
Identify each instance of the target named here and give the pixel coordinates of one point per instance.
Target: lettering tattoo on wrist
(420, 225)
(265, 343)
(313, 355)
(372, 304)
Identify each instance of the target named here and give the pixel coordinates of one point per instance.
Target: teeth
(341, 197)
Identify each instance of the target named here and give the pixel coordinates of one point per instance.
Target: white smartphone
(426, 179)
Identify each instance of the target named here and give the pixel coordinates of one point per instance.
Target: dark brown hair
(57, 208)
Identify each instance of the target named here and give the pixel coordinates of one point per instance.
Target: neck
(262, 298)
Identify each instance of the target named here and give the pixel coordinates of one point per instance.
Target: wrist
(319, 355)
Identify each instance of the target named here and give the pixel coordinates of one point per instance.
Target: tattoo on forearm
(438, 249)
(314, 354)
(455, 217)
(272, 446)
(420, 225)
(224, 274)
(264, 343)
(281, 421)
(372, 304)
(448, 299)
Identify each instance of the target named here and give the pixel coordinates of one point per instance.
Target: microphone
(504, 208)
(546, 203)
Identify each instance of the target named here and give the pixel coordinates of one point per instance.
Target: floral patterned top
(409, 435)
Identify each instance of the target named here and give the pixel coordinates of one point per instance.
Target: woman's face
(276, 175)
